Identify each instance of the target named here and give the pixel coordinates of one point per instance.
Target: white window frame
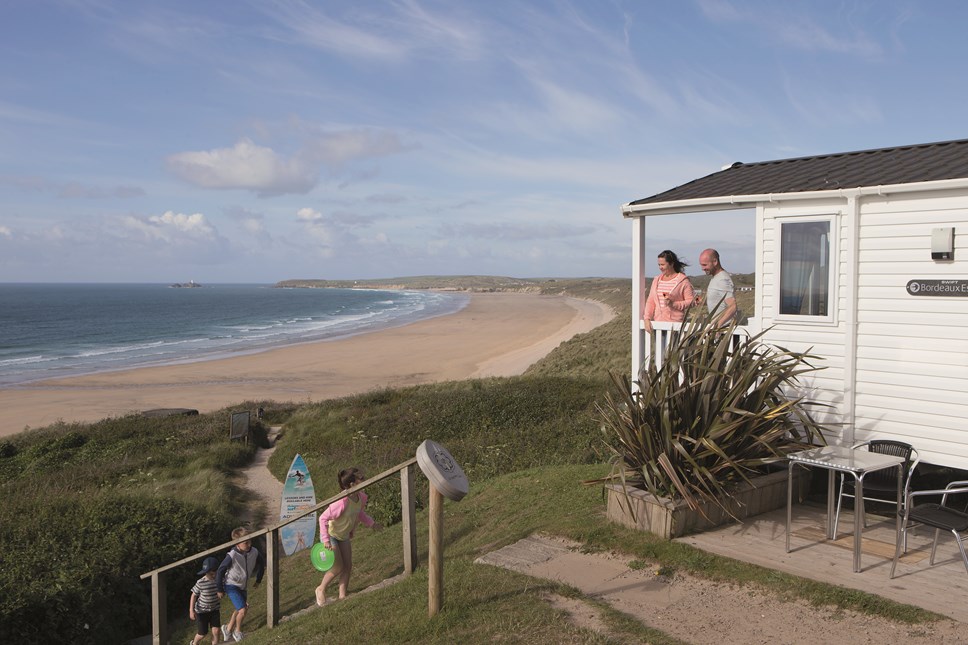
(833, 221)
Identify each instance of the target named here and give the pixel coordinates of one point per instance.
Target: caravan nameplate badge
(945, 288)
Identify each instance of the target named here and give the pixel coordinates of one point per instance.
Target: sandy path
(497, 334)
(699, 611)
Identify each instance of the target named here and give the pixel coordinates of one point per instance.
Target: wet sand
(497, 334)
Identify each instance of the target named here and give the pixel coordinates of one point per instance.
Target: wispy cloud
(71, 189)
(315, 28)
(35, 116)
(783, 23)
(823, 105)
(515, 231)
(391, 33)
(336, 149)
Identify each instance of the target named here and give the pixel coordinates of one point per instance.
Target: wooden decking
(761, 540)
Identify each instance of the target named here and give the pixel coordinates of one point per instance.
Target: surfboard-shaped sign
(298, 495)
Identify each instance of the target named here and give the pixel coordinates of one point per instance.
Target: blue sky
(260, 140)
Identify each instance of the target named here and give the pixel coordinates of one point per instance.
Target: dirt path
(699, 611)
(266, 490)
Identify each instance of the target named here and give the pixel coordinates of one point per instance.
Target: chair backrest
(890, 447)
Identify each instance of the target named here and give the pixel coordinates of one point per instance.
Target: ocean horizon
(57, 330)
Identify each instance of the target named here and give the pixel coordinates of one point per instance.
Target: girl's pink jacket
(336, 509)
(680, 299)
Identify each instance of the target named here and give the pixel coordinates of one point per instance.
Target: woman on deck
(671, 293)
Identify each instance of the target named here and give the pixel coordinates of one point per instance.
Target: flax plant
(718, 410)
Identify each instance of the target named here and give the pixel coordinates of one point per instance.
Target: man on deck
(720, 294)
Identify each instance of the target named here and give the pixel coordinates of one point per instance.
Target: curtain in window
(804, 268)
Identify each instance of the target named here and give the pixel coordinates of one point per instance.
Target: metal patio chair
(938, 516)
(880, 485)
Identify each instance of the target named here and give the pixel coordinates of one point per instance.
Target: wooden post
(272, 578)
(408, 505)
(159, 610)
(435, 574)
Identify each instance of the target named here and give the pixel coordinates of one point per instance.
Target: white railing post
(640, 339)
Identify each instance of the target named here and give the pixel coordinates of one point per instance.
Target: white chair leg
(934, 545)
(961, 547)
(897, 547)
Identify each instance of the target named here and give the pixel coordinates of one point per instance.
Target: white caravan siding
(912, 351)
(827, 339)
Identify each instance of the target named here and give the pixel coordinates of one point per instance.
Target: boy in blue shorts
(232, 579)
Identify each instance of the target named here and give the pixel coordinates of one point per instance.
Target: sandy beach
(497, 334)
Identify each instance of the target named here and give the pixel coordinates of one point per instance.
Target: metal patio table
(845, 460)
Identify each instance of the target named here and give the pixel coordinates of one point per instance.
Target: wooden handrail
(159, 610)
(249, 536)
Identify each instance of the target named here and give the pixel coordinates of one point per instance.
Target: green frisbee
(321, 557)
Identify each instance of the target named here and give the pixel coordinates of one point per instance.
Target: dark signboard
(240, 426)
(948, 288)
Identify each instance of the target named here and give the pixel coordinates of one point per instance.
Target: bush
(71, 567)
(89, 508)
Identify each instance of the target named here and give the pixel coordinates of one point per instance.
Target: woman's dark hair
(673, 259)
(349, 476)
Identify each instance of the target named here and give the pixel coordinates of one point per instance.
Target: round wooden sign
(442, 471)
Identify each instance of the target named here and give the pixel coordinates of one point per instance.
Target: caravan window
(805, 272)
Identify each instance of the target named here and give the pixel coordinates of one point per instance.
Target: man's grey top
(719, 290)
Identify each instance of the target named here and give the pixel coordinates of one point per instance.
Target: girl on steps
(336, 526)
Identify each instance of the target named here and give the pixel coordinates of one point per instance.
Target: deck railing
(159, 609)
(655, 345)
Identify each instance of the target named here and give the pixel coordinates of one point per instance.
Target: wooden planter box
(669, 518)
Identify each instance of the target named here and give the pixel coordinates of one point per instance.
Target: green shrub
(71, 567)
(97, 505)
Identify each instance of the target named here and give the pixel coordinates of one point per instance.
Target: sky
(261, 140)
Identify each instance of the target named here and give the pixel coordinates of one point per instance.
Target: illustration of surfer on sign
(298, 495)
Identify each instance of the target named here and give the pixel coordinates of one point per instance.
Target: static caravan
(862, 256)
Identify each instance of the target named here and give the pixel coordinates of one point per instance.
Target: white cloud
(254, 225)
(6, 232)
(170, 227)
(244, 166)
(249, 166)
(308, 215)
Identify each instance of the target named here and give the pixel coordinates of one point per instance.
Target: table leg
(789, 503)
(831, 485)
(897, 526)
(858, 518)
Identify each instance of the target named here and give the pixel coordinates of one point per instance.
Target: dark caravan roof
(880, 167)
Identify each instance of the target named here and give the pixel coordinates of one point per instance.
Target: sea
(57, 330)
